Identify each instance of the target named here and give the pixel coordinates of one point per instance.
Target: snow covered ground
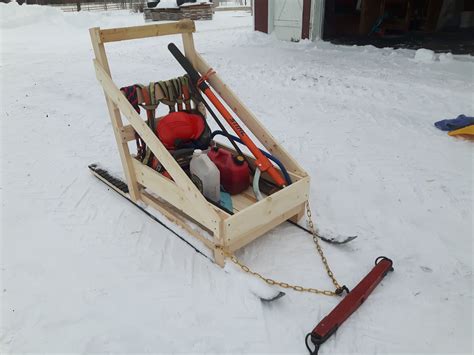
(84, 271)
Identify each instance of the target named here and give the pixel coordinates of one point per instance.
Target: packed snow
(84, 271)
(425, 55)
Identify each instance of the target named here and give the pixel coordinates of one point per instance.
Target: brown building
(437, 24)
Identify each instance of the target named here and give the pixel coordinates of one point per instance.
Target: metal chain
(297, 288)
(319, 249)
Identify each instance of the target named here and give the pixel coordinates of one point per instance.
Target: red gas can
(235, 176)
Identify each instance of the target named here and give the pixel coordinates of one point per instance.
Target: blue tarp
(456, 123)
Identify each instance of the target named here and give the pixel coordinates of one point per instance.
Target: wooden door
(287, 19)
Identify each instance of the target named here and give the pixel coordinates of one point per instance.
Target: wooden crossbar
(136, 32)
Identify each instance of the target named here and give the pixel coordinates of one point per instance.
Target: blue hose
(268, 155)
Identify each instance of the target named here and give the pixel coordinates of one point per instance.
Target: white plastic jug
(205, 175)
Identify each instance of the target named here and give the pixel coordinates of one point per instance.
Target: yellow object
(466, 132)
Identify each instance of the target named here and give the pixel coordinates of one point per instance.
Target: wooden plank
(301, 212)
(128, 133)
(189, 50)
(265, 211)
(241, 201)
(197, 201)
(136, 32)
(249, 119)
(116, 119)
(175, 218)
(220, 242)
(171, 193)
(247, 198)
(258, 231)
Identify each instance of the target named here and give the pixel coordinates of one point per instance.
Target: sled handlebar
(349, 304)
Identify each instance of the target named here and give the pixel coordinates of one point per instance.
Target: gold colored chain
(297, 288)
(319, 249)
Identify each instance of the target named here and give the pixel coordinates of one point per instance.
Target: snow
(85, 271)
(425, 55)
(167, 4)
(186, 4)
(172, 4)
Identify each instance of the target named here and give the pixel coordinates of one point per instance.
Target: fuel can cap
(239, 159)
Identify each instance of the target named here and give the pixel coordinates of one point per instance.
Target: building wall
(290, 20)
(261, 16)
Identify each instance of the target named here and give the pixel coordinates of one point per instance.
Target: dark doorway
(411, 24)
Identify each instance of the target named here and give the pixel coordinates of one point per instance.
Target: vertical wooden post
(116, 119)
(219, 257)
(300, 213)
(189, 50)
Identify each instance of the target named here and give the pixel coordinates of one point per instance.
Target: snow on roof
(196, 3)
(167, 4)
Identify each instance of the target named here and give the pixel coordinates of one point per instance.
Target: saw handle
(349, 304)
(187, 66)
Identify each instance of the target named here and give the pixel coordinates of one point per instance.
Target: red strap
(206, 76)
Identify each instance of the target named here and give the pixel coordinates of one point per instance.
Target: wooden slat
(128, 133)
(189, 50)
(197, 201)
(249, 119)
(116, 119)
(136, 32)
(258, 231)
(265, 212)
(171, 193)
(175, 218)
(242, 200)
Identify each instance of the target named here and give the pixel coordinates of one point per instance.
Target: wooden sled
(180, 200)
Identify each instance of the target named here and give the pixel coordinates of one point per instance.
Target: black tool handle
(187, 66)
(195, 76)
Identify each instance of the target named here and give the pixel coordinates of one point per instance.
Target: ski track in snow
(85, 271)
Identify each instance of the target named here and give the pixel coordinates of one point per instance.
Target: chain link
(319, 249)
(297, 288)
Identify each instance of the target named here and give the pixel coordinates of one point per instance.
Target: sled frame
(180, 200)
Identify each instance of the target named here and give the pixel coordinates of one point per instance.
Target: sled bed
(180, 200)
